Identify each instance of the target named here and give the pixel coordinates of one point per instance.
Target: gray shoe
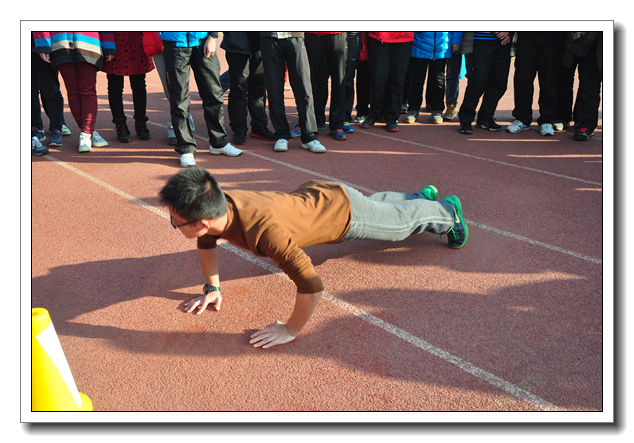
(37, 148)
(436, 117)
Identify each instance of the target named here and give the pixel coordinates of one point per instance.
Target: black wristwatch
(208, 288)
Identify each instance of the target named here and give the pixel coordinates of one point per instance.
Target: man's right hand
(213, 298)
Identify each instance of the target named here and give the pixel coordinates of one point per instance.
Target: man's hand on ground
(213, 298)
(273, 335)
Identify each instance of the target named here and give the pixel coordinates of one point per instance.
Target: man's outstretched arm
(279, 333)
(209, 263)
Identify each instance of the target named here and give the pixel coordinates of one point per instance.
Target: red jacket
(392, 37)
(152, 43)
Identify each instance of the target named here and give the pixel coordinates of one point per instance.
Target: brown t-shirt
(277, 225)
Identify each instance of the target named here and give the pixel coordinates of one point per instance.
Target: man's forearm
(209, 263)
(305, 305)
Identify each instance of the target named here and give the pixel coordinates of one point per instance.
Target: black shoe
(466, 128)
(368, 122)
(141, 128)
(392, 126)
(239, 138)
(123, 133)
(583, 134)
(265, 134)
(489, 125)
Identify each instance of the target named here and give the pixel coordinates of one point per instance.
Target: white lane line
(490, 160)
(493, 380)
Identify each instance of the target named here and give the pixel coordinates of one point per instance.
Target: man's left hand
(273, 335)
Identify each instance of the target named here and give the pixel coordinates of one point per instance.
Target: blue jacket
(185, 39)
(435, 45)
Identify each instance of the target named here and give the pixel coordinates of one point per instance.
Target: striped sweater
(74, 47)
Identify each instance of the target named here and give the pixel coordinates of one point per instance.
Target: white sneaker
(98, 141)
(281, 145)
(546, 129)
(516, 126)
(314, 146)
(187, 160)
(84, 142)
(227, 149)
(65, 130)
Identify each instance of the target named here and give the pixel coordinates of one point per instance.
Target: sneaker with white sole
(65, 131)
(85, 142)
(516, 126)
(98, 141)
(281, 145)
(37, 148)
(227, 149)
(187, 160)
(314, 146)
(546, 129)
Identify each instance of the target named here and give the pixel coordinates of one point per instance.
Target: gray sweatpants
(395, 216)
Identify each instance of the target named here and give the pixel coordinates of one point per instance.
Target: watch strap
(208, 288)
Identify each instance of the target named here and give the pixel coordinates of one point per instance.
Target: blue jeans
(394, 216)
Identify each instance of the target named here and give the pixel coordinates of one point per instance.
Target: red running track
(511, 322)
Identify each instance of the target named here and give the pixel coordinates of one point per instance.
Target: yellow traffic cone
(52, 385)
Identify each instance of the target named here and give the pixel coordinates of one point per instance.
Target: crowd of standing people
(389, 74)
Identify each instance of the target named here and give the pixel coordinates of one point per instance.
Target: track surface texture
(510, 322)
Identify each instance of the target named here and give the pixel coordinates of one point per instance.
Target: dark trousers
(332, 50)
(277, 54)
(388, 64)
(178, 62)
(532, 58)
(487, 78)
(247, 92)
(586, 105)
(45, 83)
(115, 95)
(354, 51)
(589, 92)
(435, 83)
(363, 88)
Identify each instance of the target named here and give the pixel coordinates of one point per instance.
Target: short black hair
(195, 195)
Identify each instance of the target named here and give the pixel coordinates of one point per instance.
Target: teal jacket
(186, 39)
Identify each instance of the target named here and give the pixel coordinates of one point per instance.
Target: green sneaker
(459, 233)
(430, 192)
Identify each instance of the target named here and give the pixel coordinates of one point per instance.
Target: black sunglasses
(184, 224)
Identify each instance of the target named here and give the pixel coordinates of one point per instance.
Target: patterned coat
(131, 58)
(74, 47)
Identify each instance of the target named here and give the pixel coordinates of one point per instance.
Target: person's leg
(316, 52)
(363, 90)
(274, 65)
(379, 68)
(87, 85)
(115, 96)
(207, 75)
(416, 83)
(589, 92)
(549, 61)
(395, 216)
(239, 84)
(177, 64)
(256, 96)
(139, 100)
(49, 90)
(477, 78)
(36, 107)
(436, 85)
(352, 62)
(523, 81)
(498, 62)
(336, 56)
(115, 101)
(68, 72)
(299, 78)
